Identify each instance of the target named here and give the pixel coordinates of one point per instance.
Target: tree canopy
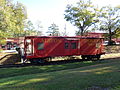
(117, 33)
(53, 30)
(82, 15)
(110, 21)
(12, 18)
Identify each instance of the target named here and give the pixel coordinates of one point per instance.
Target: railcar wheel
(32, 61)
(40, 60)
(84, 57)
(89, 57)
(36, 61)
(96, 57)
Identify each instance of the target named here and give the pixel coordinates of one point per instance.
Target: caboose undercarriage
(91, 57)
(48, 59)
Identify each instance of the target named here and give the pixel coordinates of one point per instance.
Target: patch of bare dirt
(9, 58)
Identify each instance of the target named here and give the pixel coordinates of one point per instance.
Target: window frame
(40, 46)
(73, 45)
(66, 45)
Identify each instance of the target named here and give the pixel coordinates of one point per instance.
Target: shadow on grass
(103, 75)
(10, 72)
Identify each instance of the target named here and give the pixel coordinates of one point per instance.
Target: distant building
(94, 34)
(102, 35)
(117, 40)
(12, 43)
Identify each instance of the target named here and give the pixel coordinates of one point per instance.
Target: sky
(52, 11)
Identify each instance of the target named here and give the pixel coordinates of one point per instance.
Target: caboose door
(67, 48)
(40, 47)
(71, 47)
(74, 47)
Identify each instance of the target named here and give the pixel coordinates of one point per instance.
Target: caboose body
(38, 48)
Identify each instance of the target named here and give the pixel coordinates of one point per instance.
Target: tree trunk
(110, 37)
(81, 28)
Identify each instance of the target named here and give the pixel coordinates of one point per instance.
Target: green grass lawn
(73, 76)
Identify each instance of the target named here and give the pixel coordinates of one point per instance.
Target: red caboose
(38, 48)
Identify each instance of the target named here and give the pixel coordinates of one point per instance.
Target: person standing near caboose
(21, 52)
(22, 55)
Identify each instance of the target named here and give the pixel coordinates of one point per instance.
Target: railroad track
(46, 63)
(41, 64)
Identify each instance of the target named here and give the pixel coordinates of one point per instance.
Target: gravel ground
(111, 55)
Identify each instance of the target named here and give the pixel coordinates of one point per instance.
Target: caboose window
(73, 45)
(40, 46)
(66, 45)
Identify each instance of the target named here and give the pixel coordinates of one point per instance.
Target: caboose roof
(82, 37)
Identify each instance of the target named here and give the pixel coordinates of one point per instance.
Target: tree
(29, 28)
(110, 20)
(82, 15)
(117, 33)
(32, 30)
(53, 30)
(20, 16)
(5, 16)
(12, 18)
(39, 28)
(64, 33)
(5, 19)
